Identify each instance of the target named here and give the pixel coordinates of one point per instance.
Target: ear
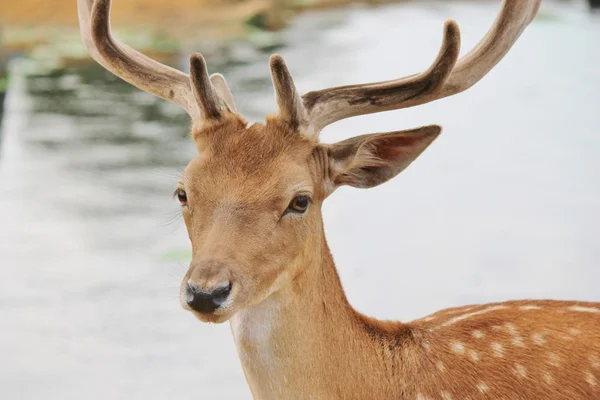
(369, 160)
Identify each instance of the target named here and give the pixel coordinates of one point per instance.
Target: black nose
(205, 302)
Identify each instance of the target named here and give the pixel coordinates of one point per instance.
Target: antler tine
(129, 64)
(512, 20)
(222, 88)
(206, 96)
(333, 104)
(291, 108)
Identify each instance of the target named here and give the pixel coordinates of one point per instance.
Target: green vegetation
(179, 255)
(546, 17)
(3, 80)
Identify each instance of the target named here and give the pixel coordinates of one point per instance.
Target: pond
(505, 204)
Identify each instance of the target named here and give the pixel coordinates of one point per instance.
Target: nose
(205, 302)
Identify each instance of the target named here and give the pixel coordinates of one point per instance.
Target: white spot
(474, 355)
(547, 377)
(430, 318)
(478, 334)
(469, 315)
(574, 331)
(538, 339)
(511, 329)
(440, 365)
(585, 309)
(595, 362)
(554, 359)
(496, 328)
(422, 397)
(517, 340)
(458, 348)
(482, 387)
(525, 308)
(520, 370)
(458, 310)
(591, 379)
(426, 346)
(498, 349)
(446, 395)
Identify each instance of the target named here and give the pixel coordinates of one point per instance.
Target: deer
(251, 201)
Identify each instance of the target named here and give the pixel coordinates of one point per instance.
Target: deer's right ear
(370, 160)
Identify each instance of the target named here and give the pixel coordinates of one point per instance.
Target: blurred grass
(179, 255)
(547, 17)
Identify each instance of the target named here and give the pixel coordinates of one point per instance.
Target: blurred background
(505, 204)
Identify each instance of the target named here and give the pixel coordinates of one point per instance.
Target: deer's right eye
(182, 197)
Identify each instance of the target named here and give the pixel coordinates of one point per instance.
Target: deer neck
(291, 343)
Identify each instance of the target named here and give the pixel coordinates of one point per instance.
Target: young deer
(252, 200)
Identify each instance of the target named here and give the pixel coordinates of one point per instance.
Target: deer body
(251, 201)
(311, 344)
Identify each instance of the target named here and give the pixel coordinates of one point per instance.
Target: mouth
(212, 317)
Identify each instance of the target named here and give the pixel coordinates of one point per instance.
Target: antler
(442, 79)
(208, 98)
(199, 97)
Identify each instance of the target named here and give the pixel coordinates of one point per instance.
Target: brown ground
(64, 12)
(28, 23)
(174, 18)
(174, 13)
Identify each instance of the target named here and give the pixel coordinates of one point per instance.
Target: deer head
(252, 197)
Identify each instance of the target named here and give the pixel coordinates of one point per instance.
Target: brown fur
(297, 335)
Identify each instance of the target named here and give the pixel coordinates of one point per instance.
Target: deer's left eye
(182, 197)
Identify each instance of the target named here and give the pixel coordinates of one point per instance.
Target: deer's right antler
(195, 94)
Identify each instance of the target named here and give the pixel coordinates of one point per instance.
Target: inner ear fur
(369, 160)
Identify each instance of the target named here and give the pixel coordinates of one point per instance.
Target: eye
(299, 204)
(181, 196)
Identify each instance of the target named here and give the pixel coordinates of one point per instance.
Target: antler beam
(145, 73)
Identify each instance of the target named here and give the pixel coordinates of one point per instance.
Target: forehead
(235, 157)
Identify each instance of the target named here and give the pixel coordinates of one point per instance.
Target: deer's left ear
(370, 160)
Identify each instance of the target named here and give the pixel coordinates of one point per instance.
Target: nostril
(221, 294)
(190, 292)
(191, 288)
(201, 301)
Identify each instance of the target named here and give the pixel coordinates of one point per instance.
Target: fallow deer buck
(252, 200)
